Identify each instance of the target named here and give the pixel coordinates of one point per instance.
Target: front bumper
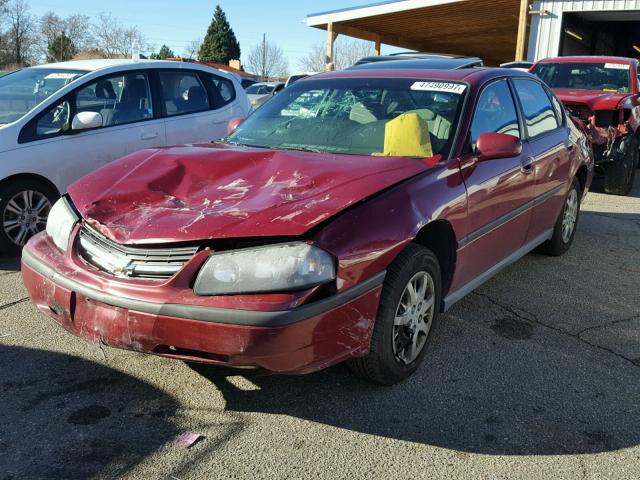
(299, 340)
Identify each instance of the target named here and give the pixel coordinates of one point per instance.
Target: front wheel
(565, 228)
(620, 172)
(24, 207)
(407, 318)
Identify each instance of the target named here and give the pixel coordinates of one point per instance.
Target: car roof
(474, 76)
(590, 59)
(438, 63)
(103, 63)
(408, 55)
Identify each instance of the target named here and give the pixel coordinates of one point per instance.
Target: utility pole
(264, 57)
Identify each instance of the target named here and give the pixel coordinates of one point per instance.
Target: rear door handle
(527, 165)
(149, 136)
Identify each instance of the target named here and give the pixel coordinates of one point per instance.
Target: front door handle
(527, 165)
(149, 136)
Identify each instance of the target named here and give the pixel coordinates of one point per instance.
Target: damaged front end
(612, 132)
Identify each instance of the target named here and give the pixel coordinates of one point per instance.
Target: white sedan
(61, 121)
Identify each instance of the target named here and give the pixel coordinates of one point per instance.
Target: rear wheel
(565, 228)
(24, 207)
(407, 318)
(620, 173)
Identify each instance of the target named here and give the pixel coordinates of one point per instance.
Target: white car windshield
(22, 90)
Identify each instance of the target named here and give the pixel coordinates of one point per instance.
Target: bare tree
(76, 28)
(267, 60)
(192, 49)
(314, 61)
(110, 37)
(21, 35)
(347, 51)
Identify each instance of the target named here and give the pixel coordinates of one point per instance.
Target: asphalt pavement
(535, 375)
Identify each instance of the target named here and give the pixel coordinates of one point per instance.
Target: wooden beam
(522, 30)
(331, 38)
(376, 48)
(355, 32)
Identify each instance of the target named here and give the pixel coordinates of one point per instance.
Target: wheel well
(32, 177)
(440, 238)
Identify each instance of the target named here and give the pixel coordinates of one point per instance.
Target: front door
(499, 191)
(129, 124)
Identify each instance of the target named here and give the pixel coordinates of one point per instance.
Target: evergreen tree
(60, 49)
(164, 53)
(220, 44)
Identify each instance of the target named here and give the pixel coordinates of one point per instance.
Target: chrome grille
(125, 261)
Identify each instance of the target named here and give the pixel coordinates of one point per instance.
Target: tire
(561, 242)
(387, 363)
(620, 173)
(17, 223)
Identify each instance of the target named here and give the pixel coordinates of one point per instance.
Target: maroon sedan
(334, 224)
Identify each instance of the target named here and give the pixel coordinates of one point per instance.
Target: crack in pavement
(11, 304)
(608, 324)
(534, 319)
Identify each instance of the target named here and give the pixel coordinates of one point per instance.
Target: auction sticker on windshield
(60, 76)
(448, 87)
(616, 66)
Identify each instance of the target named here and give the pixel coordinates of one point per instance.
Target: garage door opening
(601, 33)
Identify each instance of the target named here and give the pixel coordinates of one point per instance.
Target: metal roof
(481, 28)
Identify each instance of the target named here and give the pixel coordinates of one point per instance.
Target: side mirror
(86, 121)
(491, 146)
(233, 124)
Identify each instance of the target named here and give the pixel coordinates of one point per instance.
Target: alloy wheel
(25, 215)
(570, 215)
(413, 318)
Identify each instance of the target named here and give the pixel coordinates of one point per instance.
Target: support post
(331, 38)
(522, 30)
(376, 49)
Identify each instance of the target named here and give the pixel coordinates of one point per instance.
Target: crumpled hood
(595, 100)
(202, 192)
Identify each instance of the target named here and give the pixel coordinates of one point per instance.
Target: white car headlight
(60, 223)
(273, 268)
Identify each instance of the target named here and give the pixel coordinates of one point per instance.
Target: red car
(334, 224)
(603, 92)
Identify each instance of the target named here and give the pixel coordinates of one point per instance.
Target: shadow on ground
(65, 417)
(529, 364)
(9, 263)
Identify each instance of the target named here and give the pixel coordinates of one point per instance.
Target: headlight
(60, 222)
(273, 268)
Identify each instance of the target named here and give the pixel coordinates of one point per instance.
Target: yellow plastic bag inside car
(407, 135)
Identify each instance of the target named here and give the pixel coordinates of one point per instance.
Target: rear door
(546, 147)
(499, 191)
(197, 105)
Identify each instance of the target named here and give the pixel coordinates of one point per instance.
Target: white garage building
(496, 30)
(582, 27)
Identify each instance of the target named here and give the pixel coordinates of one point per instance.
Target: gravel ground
(534, 375)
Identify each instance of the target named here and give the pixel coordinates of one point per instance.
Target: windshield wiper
(297, 148)
(238, 144)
